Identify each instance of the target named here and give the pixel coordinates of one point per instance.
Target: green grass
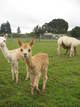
(63, 85)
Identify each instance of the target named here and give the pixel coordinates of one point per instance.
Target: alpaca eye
(29, 50)
(21, 50)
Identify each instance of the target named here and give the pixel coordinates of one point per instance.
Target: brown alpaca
(37, 65)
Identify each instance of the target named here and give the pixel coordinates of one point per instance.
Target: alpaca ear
(32, 42)
(19, 42)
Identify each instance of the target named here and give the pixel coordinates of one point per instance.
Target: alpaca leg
(37, 83)
(16, 72)
(34, 83)
(37, 88)
(59, 50)
(32, 86)
(71, 51)
(66, 51)
(32, 79)
(13, 71)
(75, 51)
(32, 90)
(27, 75)
(16, 76)
(44, 77)
(44, 82)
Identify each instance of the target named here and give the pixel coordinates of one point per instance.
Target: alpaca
(12, 56)
(68, 43)
(37, 65)
(2, 39)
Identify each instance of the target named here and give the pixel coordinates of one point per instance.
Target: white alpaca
(12, 56)
(68, 43)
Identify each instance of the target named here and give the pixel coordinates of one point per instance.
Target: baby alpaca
(68, 43)
(12, 56)
(37, 65)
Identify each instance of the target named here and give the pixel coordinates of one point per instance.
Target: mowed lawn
(63, 85)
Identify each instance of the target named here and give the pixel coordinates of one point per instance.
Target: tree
(18, 30)
(5, 27)
(75, 32)
(38, 31)
(56, 26)
(8, 27)
(45, 27)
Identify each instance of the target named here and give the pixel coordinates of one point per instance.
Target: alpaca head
(26, 49)
(2, 41)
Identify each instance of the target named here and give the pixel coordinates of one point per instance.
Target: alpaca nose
(25, 54)
(1, 45)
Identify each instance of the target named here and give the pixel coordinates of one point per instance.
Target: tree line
(5, 28)
(56, 26)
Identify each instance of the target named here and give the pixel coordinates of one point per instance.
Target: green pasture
(63, 85)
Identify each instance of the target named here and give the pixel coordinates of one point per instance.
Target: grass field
(63, 85)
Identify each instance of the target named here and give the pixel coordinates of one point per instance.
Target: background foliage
(75, 32)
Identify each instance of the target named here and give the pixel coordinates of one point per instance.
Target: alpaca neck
(29, 61)
(5, 51)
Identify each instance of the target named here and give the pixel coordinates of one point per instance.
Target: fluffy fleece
(68, 43)
(37, 65)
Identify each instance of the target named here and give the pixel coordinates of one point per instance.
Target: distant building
(51, 35)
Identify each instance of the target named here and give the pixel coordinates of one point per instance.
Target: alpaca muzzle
(25, 55)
